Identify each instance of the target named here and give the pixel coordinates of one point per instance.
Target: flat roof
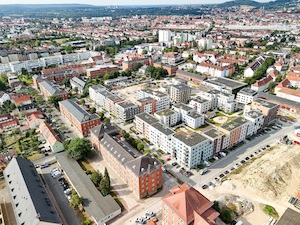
(236, 122)
(147, 99)
(95, 204)
(289, 217)
(213, 133)
(190, 139)
(182, 106)
(254, 114)
(181, 87)
(166, 112)
(199, 99)
(194, 115)
(147, 118)
(264, 97)
(248, 91)
(232, 84)
(193, 75)
(163, 129)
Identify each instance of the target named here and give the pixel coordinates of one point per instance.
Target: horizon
(116, 2)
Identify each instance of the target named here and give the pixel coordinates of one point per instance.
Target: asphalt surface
(60, 198)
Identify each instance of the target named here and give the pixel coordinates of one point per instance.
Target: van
(203, 171)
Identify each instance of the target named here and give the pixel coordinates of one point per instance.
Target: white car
(56, 174)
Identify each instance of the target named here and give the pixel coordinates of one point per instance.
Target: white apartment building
(189, 116)
(205, 43)
(160, 136)
(168, 117)
(164, 35)
(246, 96)
(191, 150)
(162, 100)
(200, 105)
(142, 123)
(94, 93)
(257, 120)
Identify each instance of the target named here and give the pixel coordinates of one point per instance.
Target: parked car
(203, 171)
(44, 166)
(174, 164)
(204, 186)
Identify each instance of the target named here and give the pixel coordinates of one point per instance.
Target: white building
(205, 43)
(246, 96)
(164, 35)
(200, 105)
(162, 100)
(180, 93)
(168, 117)
(191, 150)
(189, 116)
(160, 136)
(77, 83)
(94, 93)
(257, 120)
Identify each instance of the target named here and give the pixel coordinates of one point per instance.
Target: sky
(115, 2)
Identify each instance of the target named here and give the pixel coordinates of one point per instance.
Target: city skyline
(116, 2)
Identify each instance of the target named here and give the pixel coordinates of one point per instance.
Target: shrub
(271, 211)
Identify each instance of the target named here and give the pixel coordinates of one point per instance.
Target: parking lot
(57, 191)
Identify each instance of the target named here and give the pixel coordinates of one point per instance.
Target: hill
(239, 3)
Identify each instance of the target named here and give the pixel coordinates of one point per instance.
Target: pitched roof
(32, 116)
(99, 130)
(263, 81)
(49, 134)
(187, 202)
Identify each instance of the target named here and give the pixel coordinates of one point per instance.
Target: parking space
(57, 191)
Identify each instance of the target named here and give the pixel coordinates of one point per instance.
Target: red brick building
(131, 63)
(171, 69)
(143, 174)
(79, 118)
(48, 89)
(147, 105)
(101, 70)
(186, 206)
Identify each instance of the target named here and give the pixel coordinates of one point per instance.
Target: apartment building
(215, 70)
(246, 96)
(162, 100)
(236, 130)
(225, 85)
(110, 101)
(78, 84)
(221, 100)
(20, 99)
(217, 137)
(34, 119)
(254, 66)
(169, 68)
(160, 136)
(55, 77)
(148, 105)
(267, 108)
(101, 70)
(79, 118)
(256, 118)
(8, 122)
(172, 59)
(54, 142)
(48, 89)
(126, 110)
(191, 150)
(142, 123)
(196, 78)
(189, 116)
(94, 92)
(262, 84)
(129, 64)
(200, 105)
(180, 93)
(142, 174)
(29, 199)
(185, 205)
(167, 117)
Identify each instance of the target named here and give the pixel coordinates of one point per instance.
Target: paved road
(239, 154)
(60, 198)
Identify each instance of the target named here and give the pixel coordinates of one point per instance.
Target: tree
(75, 200)
(137, 66)
(87, 222)
(225, 215)
(54, 99)
(216, 206)
(82, 101)
(106, 120)
(96, 178)
(79, 148)
(140, 146)
(92, 109)
(271, 85)
(106, 175)
(101, 114)
(3, 82)
(104, 186)
(144, 52)
(125, 134)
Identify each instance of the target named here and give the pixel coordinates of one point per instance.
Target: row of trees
(103, 183)
(261, 72)
(3, 82)
(134, 142)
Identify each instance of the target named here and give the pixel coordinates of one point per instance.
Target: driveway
(60, 198)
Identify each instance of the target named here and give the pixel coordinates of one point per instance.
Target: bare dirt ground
(270, 179)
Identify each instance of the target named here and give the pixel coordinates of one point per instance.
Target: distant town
(171, 115)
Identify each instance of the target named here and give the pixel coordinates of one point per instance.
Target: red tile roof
(263, 81)
(185, 201)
